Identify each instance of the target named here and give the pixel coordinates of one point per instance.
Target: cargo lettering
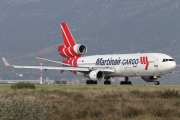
(130, 61)
(110, 61)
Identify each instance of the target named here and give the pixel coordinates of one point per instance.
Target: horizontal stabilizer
(52, 61)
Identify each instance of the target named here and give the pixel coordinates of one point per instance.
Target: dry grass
(67, 102)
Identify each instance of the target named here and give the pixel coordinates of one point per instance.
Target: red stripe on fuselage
(147, 63)
(75, 62)
(144, 60)
(141, 60)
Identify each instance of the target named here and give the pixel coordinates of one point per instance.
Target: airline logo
(101, 61)
(144, 60)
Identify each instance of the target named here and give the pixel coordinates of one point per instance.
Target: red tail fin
(67, 36)
(70, 49)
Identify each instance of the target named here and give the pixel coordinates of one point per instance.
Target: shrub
(22, 109)
(170, 93)
(132, 111)
(21, 85)
(135, 92)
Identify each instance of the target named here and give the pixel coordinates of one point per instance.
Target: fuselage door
(155, 65)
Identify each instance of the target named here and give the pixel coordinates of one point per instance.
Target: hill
(31, 27)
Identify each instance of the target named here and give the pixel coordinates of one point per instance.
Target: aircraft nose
(172, 65)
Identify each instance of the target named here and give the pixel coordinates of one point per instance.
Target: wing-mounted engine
(96, 75)
(148, 78)
(76, 50)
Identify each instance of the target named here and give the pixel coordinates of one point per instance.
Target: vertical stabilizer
(67, 36)
(70, 49)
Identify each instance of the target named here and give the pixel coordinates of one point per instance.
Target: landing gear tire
(88, 82)
(91, 82)
(126, 82)
(107, 82)
(129, 83)
(122, 82)
(95, 82)
(156, 82)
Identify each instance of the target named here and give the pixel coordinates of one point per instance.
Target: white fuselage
(140, 64)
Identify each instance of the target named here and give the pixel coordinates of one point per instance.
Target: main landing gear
(107, 81)
(91, 82)
(126, 82)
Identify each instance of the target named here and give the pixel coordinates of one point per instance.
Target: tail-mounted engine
(76, 50)
(96, 75)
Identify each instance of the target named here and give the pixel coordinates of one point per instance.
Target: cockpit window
(165, 60)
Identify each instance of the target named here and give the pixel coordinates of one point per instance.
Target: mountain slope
(31, 27)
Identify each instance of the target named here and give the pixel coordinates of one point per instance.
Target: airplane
(148, 66)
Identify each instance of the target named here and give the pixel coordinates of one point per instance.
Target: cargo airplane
(148, 66)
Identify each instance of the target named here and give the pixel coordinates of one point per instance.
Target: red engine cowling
(76, 50)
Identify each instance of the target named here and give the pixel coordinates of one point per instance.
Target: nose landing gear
(156, 82)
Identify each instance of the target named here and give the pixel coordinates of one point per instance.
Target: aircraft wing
(52, 68)
(68, 68)
(85, 69)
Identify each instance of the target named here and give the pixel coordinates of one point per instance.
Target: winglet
(6, 63)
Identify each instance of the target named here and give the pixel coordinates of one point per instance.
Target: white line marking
(73, 62)
(65, 53)
(65, 35)
(70, 51)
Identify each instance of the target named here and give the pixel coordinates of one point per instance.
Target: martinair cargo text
(148, 66)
